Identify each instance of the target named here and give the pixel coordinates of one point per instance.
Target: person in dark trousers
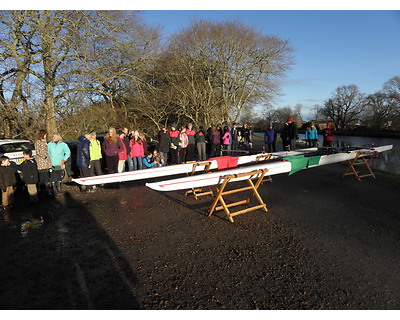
(164, 143)
(190, 132)
(112, 146)
(59, 154)
(247, 137)
(127, 138)
(8, 181)
(292, 134)
(311, 136)
(270, 139)
(201, 143)
(328, 138)
(235, 138)
(43, 162)
(95, 155)
(285, 137)
(83, 159)
(174, 136)
(30, 175)
(215, 139)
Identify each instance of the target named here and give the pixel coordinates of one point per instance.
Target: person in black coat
(164, 142)
(285, 137)
(30, 175)
(8, 181)
(83, 159)
(292, 134)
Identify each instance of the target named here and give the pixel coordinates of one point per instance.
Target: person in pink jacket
(123, 155)
(226, 139)
(137, 151)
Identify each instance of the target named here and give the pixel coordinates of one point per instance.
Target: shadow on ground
(56, 256)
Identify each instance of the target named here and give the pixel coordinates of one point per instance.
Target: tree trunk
(50, 110)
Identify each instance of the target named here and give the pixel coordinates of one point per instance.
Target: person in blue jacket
(148, 160)
(312, 136)
(59, 153)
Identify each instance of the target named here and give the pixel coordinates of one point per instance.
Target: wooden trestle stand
(253, 193)
(198, 192)
(266, 158)
(363, 159)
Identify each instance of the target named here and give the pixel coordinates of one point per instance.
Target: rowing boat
(274, 168)
(177, 169)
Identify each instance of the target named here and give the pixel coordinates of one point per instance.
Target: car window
(14, 147)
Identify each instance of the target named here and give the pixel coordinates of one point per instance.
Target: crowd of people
(127, 150)
(124, 150)
(42, 174)
(289, 136)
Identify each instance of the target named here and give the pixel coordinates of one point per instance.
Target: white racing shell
(176, 169)
(274, 168)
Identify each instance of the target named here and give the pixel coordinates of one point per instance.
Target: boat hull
(176, 169)
(274, 168)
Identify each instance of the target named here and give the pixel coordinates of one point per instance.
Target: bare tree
(281, 115)
(317, 112)
(75, 57)
(346, 105)
(379, 110)
(235, 63)
(392, 90)
(14, 67)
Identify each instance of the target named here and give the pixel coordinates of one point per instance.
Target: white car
(13, 149)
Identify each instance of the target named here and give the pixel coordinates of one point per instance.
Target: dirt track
(325, 243)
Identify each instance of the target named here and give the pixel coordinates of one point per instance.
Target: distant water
(388, 161)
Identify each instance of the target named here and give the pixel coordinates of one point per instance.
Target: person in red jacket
(137, 151)
(174, 136)
(328, 138)
(123, 155)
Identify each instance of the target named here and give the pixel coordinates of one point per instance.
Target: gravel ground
(325, 243)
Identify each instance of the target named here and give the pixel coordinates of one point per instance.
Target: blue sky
(333, 48)
(340, 43)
